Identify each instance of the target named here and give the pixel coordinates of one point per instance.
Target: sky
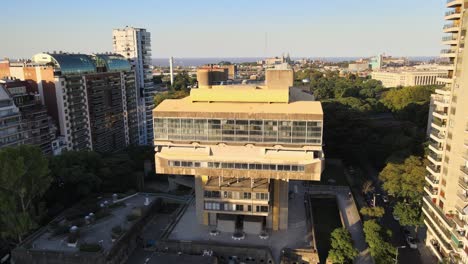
(221, 28)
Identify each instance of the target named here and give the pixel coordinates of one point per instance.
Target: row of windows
(214, 206)
(238, 166)
(236, 195)
(255, 131)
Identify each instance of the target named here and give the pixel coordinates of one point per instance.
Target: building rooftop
(67, 63)
(99, 232)
(300, 103)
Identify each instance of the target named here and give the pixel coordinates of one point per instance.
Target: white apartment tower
(445, 203)
(135, 45)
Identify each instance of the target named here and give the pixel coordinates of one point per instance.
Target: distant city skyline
(199, 29)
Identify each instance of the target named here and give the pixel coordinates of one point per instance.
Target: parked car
(385, 198)
(411, 242)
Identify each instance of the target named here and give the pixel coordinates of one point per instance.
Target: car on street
(411, 242)
(385, 198)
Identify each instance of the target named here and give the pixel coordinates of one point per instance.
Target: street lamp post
(396, 257)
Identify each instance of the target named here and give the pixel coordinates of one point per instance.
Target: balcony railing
(433, 168)
(451, 12)
(438, 135)
(449, 38)
(435, 157)
(431, 178)
(431, 190)
(451, 25)
(463, 196)
(447, 51)
(442, 99)
(464, 169)
(463, 182)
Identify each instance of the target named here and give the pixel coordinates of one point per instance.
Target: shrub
(132, 217)
(117, 205)
(90, 247)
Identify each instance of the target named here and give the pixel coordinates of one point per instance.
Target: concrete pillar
(283, 204)
(276, 205)
(280, 205)
(202, 216)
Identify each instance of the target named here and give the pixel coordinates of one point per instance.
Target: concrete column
(276, 204)
(280, 205)
(283, 203)
(202, 216)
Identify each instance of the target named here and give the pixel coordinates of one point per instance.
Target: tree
(367, 187)
(376, 212)
(404, 180)
(23, 181)
(76, 175)
(160, 97)
(377, 239)
(410, 214)
(342, 249)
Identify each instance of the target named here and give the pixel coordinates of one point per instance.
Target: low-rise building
(395, 78)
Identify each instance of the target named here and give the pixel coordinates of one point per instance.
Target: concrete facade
(446, 192)
(409, 78)
(242, 150)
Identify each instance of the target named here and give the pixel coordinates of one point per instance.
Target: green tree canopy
(159, 97)
(398, 98)
(342, 249)
(404, 180)
(374, 212)
(23, 181)
(410, 214)
(377, 239)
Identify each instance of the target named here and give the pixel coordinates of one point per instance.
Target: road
(405, 255)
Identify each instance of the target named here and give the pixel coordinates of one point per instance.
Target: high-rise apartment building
(243, 144)
(10, 120)
(445, 204)
(135, 45)
(37, 128)
(91, 99)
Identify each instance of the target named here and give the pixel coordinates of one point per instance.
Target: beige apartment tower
(445, 204)
(243, 144)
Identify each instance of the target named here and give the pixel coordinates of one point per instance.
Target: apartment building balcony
(446, 80)
(459, 222)
(448, 53)
(443, 101)
(432, 191)
(436, 250)
(452, 14)
(434, 158)
(436, 147)
(460, 207)
(464, 169)
(440, 125)
(450, 40)
(454, 3)
(433, 169)
(451, 28)
(432, 180)
(463, 195)
(440, 114)
(447, 90)
(463, 182)
(439, 137)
